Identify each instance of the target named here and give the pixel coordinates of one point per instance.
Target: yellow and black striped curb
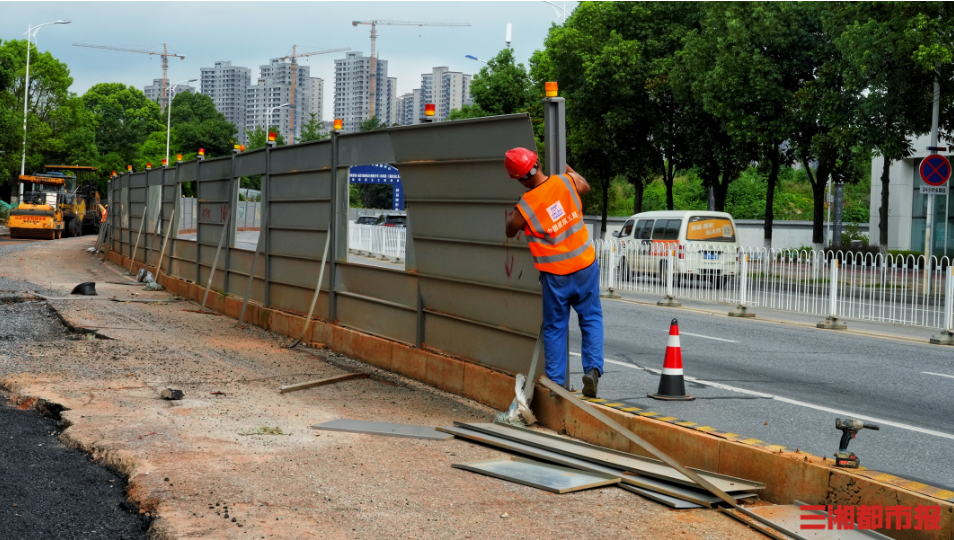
(917, 487)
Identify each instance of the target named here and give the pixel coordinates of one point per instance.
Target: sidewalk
(187, 462)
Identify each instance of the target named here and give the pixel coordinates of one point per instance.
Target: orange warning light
(339, 124)
(551, 89)
(428, 109)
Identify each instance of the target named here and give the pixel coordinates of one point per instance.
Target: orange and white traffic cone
(672, 386)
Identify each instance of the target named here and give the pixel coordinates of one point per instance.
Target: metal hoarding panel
(482, 180)
(390, 285)
(169, 176)
(300, 186)
(296, 243)
(672, 502)
(214, 190)
(367, 148)
(300, 215)
(298, 272)
(298, 300)
(462, 139)
(137, 180)
(301, 157)
(374, 317)
(249, 163)
(383, 428)
(612, 458)
(208, 234)
(500, 348)
(477, 222)
(186, 171)
(215, 169)
(240, 261)
(519, 311)
(539, 475)
(489, 265)
(218, 280)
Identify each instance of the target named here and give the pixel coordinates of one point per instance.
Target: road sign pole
(929, 217)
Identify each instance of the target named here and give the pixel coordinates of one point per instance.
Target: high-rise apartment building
(352, 90)
(447, 90)
(274, 88)
(227, 85)
(317, 99)
(154, 90)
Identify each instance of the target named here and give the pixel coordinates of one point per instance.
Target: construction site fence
(828, 283)
(465, 290)
(379, 241)
(248, 216)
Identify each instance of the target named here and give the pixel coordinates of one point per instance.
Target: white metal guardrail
(379, 241)
(829, 284)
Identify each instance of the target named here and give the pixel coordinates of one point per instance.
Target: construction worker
(551, 215)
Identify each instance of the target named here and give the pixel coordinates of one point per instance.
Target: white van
(704, 244)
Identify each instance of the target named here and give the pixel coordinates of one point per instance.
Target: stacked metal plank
(650, 478)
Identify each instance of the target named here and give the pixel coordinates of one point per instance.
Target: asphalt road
(785, 384)
(49, 491)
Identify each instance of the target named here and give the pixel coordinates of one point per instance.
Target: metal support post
(670, 299)
(314, 299)
(163, 250)
(198, 215)
(419, 339)
(264, 229)
(333, 229)
(232, 222)
(947, 336)
(742, 310)
(832, 322)
(929, 215)
(838, 204)
(142, 221)
(554, 135)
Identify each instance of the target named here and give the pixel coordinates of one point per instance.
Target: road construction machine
(53, 205)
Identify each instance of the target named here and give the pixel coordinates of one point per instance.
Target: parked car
(392, 220)
(704, 242)
(366, 220)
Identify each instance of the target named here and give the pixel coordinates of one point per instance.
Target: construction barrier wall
(466, 290)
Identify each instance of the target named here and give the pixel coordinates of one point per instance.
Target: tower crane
(294, 86)
(374, 35)
(165, 54)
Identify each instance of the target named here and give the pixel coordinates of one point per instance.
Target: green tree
(467, 111)
(372, 124)
(198, 124)
(502, 86)
(259, 136)
(124, 120)
(890, 49)
(313, 130)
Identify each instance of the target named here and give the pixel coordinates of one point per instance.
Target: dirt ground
(189, 467)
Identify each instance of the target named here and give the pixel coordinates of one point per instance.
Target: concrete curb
(787, 475)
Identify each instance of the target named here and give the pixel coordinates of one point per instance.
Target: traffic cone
(672, 386)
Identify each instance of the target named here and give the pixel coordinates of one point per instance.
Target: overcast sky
(249, 33)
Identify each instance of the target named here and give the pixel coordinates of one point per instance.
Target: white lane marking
(707, 337)
(796, 402)
(938, 374)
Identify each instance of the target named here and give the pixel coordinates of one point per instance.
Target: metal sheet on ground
(539, 475)
(789, 516)
(612, 458)
(663, 487)
(383, 428)
(671, 502)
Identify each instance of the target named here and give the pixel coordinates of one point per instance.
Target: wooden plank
(321, 382)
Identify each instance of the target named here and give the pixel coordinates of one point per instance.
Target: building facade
(317, 100)
(154, 90)
(274, 88)
(907, 206)
(227, 86)
(447, 90)
(352, 97)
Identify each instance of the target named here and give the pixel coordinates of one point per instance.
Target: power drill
(849, 428)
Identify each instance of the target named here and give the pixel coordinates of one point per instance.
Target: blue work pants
(581, 290)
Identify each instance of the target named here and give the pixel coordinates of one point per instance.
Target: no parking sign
(935, 171)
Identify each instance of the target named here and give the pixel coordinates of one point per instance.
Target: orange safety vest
(559, 241)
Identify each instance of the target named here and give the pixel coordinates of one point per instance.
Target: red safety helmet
(519, 161)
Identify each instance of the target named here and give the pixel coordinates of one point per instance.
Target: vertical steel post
(742, 310)
(839, 202)
(232, 222)
(947, 336)
(554, 135)
(333, 228)
(198, 216)
(419, 339)
(264, 228)
(929, 216)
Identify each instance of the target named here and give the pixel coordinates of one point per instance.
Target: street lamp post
(472, 57)
(31, 35)
(169, 114)
(268, 117)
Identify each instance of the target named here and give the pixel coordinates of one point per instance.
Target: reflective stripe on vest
(559, 240)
